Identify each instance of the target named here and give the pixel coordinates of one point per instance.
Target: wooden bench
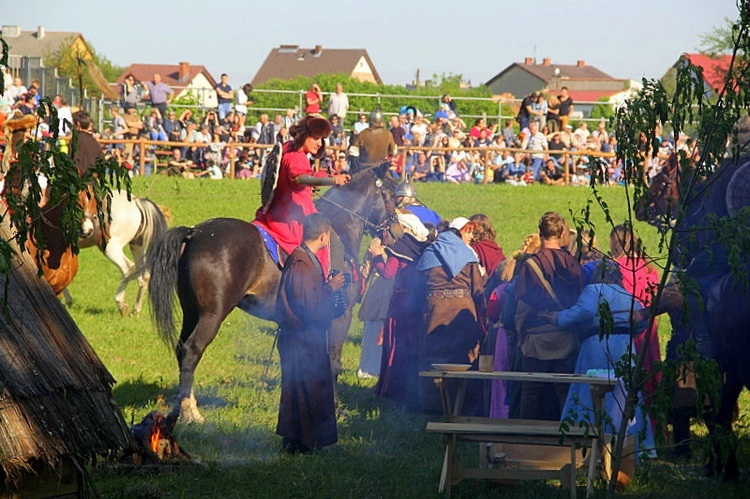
(512, 431)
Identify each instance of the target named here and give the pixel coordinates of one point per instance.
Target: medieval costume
(403, 327)
(599, 351)
(88, 151)
(291, 201)
(640, 279)
(307, 417)
(548, 281)
(454, 290)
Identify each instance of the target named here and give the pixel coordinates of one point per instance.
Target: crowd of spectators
(449, 149)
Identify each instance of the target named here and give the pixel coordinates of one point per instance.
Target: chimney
(318, 50)
(546, 61)
(10, 31)
(581, 63)
(184, 71)
(40, 32)
(528, 60)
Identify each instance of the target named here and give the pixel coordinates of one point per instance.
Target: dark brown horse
(223, 263)
(722, 332)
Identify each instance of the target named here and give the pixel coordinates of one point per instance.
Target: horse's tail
(163, 258)
(154, 223)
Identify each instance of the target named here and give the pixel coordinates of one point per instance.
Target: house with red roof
(182, 78)
(714, 69)
(587, 85)
(289, 61)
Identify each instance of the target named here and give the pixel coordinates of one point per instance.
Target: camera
(347, 276)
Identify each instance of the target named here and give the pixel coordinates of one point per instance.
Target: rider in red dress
(293, 197)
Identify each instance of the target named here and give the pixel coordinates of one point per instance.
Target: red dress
(291, 201)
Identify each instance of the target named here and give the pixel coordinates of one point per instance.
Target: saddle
(277, 254)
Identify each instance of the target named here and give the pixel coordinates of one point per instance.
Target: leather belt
(449, 293)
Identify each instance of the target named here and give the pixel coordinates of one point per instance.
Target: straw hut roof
(55, 394)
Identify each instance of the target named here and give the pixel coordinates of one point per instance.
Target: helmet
(376, 118)
(405, 190)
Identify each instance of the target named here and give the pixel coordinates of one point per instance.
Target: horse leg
(115, 255)
(67, 297)
(189, 353)
(723, 457)
(142, 279)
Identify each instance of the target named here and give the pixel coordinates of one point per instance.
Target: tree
(714, 118)
(426, 99)
(604, 110)
(76, 59)
(43, 156)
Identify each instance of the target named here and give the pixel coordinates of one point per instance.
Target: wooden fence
(486, 152)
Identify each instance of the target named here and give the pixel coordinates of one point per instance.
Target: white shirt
(338, 105)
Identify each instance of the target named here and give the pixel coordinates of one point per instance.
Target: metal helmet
(405, 189)
(376, 118)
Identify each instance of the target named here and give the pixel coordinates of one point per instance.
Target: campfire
(156, 443)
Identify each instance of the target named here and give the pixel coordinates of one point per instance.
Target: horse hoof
(192, 417)
(135, 313)
(124, 309)
(189, 413)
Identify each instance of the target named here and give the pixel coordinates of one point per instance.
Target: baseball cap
(458, 223)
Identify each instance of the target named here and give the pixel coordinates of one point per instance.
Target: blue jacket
(585, 313)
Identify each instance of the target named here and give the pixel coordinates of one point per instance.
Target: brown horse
(59, 262)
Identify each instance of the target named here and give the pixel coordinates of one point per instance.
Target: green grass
(382, 452)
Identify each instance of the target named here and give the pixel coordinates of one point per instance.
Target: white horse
(137, 222)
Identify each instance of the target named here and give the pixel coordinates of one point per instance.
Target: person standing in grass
(304, 310)
(548, 281)
(402, 330)
(454, 301)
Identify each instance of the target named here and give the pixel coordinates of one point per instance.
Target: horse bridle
(366, 219)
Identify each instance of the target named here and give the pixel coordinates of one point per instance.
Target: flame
(155, 437)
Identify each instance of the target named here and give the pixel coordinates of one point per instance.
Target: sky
(626, 39)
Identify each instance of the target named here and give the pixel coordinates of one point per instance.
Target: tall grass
(382, 451)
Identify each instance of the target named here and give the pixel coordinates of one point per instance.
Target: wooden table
(458, 427)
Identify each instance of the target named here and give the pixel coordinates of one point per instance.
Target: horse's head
(90, 222)
(366, 202)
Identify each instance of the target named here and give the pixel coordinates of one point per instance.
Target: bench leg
(573, 468)
(444, 472)
(593, 458)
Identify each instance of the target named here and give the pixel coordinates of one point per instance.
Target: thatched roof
(55, 393)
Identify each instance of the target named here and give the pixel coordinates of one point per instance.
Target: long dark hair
(310, 126)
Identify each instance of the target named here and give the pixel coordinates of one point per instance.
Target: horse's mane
(352, 206)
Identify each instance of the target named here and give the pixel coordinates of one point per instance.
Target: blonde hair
(531, 245)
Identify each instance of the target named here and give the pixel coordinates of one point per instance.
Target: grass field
(383, 452)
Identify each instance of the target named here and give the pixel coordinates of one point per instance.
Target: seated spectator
(483, 140)
(421, 169)
(480, 124)
(509, 135)
(178, 166)
(457, 171)
(361, 124)
(337, 132)
(155, 127)
(173, 127)
(437, 167)
(419, 130)
(187, 117)
(245, 172)
(551, 174)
